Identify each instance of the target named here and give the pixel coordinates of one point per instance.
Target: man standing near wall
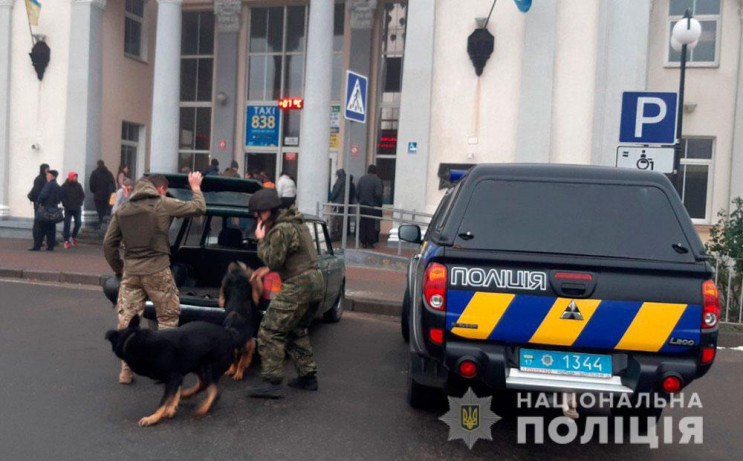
(33, 196)
(102, 185)
(370, 192)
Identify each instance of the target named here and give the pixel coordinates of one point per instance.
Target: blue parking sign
(356, 86)
(648, 118)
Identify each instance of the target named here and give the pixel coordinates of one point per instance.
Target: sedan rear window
(622, 221)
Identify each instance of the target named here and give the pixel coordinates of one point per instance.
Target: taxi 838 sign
(262, 126)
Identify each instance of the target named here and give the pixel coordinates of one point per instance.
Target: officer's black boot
(306, 383)
(268, 389)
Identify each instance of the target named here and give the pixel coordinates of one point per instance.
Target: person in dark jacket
(33, 196)
(72, 201)
(213, 168)
(369, 194)
(102, 185)
(337, 196)
(49, 199)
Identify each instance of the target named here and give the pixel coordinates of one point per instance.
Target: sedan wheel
(335, 313)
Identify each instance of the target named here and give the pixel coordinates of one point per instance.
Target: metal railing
(729, 281)
(397, 216)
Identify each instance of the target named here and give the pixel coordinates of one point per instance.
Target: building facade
(165, 85)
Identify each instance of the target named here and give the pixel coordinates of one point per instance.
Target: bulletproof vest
(138, 224)
(304, 259)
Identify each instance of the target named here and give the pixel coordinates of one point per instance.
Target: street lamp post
(684, 37)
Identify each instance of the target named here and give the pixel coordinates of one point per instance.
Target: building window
(693, 183)
(707, 12)
(276, 60)
(134, 44)
(197, 68)
(394, 17)
(130, 145)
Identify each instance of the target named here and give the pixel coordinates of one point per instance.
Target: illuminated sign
(291, 103)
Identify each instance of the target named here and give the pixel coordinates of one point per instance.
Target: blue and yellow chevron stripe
(606, 324)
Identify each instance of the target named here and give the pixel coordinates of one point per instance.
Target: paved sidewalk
(370, 290)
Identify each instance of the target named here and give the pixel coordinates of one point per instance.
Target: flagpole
(30, 31)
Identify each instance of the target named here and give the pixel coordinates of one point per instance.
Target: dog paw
(170, 412)
(237, 376)
(231, 371)
(148, 421)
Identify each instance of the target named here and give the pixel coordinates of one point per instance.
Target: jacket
(142, 224)
(339, 189)
(286, 187)
(39, 183)
(370, 190)
(73, 195)
(50, 195)
(288, 247)
(211, 170)
(102, 184)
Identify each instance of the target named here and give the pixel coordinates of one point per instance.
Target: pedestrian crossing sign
(356, 86)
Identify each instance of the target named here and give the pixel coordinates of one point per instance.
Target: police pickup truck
(551, 278)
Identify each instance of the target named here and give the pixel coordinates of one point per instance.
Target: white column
(84, 88)
(166, 88)
(537, 72)
(415, 107)
(313, 174)
(6, 10)
(621, 65)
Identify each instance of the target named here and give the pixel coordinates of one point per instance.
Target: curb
(363, 305)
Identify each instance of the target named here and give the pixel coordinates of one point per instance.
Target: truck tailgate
(654, 312)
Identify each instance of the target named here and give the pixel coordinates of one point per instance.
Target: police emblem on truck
(473, 277)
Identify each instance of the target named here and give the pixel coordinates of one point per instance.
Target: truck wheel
(334, 314)
(405, 317)
(423, 397)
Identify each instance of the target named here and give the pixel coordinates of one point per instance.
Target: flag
(522, 5)
(33, 8)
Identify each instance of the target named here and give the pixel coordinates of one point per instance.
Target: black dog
(239, 296)
(168, 355)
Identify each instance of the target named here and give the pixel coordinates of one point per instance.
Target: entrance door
(257, 162)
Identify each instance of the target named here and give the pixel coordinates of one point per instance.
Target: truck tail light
(711, 308)
(468, 369)
(434, 286)
(436, 335)
(271, 285)
(708, 355)
(671, 384)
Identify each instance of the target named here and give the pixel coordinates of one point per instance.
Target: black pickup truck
(550, 278)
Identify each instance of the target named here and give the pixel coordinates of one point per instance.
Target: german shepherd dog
(240, 297)
(168, 355)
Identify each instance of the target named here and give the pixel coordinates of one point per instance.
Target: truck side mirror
(409, 233)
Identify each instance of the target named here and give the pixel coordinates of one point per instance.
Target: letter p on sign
(648, 118)
(641, 118)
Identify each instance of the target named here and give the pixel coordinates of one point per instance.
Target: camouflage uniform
(161, 290)
(141, 227)
(288, 249)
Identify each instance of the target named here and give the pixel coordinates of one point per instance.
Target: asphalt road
(59, 399)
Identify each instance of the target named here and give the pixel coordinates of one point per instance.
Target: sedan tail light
(434, 286)
(271, 285)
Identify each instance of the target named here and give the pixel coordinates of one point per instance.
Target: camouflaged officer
(286, 246)
(142, 225)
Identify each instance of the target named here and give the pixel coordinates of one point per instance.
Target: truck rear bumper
(498, 368)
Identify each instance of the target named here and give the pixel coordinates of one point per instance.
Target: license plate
(565, 363)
